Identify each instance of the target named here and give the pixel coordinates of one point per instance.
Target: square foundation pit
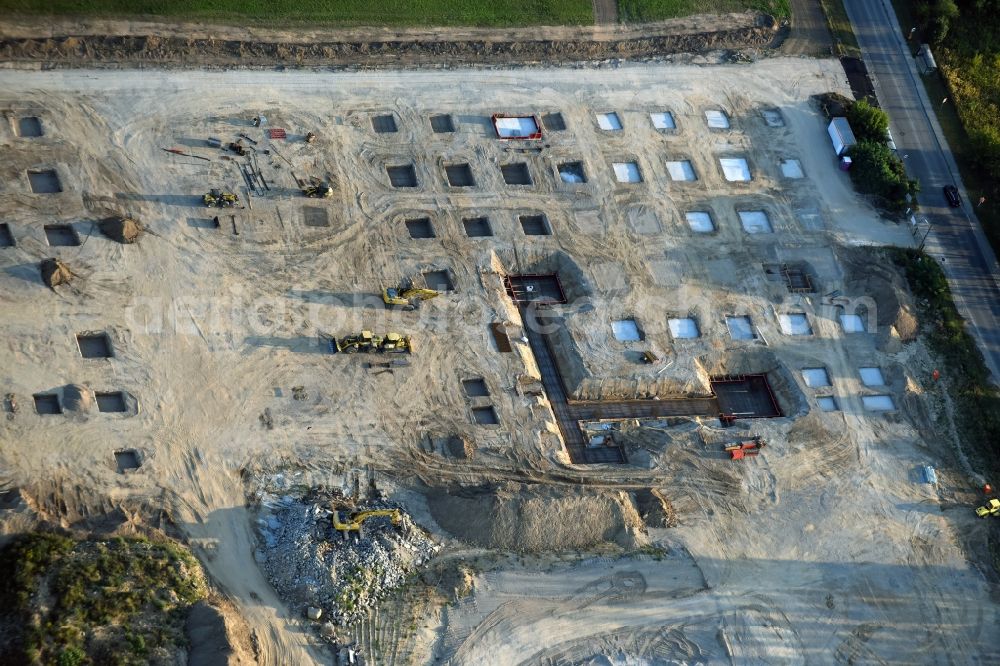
(29, 127)
(442, 124)
(61, 235)
(516, 173)
(735, 169)
(554, 122)
(94, 345)
(816, 377)
(663, 120)
(755, 222)
(792, 169)
(477, 227)
(609, 122)
(717, 119)
(852, 323)
(627, 172)
(126, 460)
(110, 401)
(683, 328)
(485, 415)
(700, 221)
(794, 323)
(384, 124)
(6, 237)
(681, 170)
(572, 172)
(439, 280)
(878, 403)
(475, 387)
(626, 330)
(459, 175)
(740, 327)
(827, 403)
(871, 376)
(47, 404)
(420, 228)
(535, 225)
(773, 117)
(44, 181)
(403, 175)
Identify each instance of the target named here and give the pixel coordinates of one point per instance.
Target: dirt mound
(519, 518)
(55, 273)
(906, 324)
(745, 30)
(77, 398)
(215, 638)
(122, 229)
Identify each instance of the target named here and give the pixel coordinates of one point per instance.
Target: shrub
(868, 122)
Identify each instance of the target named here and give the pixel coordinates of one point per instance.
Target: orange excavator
(746, 448)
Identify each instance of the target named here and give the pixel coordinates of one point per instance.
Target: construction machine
(318, 191)
(365, 341)
(745, 449)
(395, 343)
(992, 508)
(219, 199)
(407, 297)
(353, 522)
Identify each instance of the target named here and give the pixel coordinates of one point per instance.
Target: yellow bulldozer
(218, 199)
(353, 522)
(407, 297)
(992, 508)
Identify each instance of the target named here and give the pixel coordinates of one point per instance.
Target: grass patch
(977, 402)
(338, 12)
(841, 28)
(112, 601)
(643, 11)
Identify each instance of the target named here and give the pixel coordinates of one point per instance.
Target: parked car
(889, 142)
(951, 194)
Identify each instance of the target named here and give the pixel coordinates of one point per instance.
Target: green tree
(868, 122)
(879, 172)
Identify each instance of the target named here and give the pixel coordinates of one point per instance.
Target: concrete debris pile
(313, 567)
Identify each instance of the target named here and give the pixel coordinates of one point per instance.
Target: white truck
(841, 135)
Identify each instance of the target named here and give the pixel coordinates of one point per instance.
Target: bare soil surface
(106, 43)
(825, 547)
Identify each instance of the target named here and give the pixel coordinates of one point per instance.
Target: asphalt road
(955, 237)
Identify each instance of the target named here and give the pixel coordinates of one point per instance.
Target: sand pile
(529, 519)
(55, 273)
(122, 229)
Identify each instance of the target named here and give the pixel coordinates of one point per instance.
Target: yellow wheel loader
(318, 191)
(992, 508)
(395, 343)
(363, 342)
(219, 199)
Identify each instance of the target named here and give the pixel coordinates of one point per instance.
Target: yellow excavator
(353, 522)
(407, 297)
(992, 508)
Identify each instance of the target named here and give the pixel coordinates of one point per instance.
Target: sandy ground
(822, 549)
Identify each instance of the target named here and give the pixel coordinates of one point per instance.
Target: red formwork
(506, 135)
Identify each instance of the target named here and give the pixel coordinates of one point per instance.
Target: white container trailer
(841, 135)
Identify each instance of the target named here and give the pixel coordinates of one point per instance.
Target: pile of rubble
(330, 578)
